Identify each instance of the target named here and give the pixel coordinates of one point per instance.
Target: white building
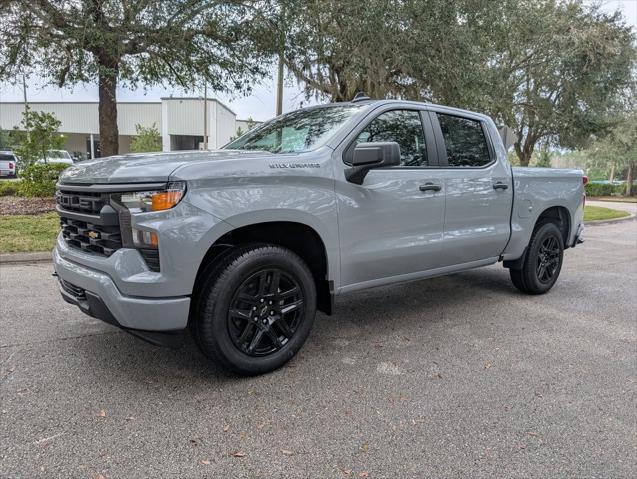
(180, 122)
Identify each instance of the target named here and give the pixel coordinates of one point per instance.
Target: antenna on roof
(360, 96)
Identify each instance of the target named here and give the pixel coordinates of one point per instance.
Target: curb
(21, 258)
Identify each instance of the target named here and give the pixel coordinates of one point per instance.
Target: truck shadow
(365, 316)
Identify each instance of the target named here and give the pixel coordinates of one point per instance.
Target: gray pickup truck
(242, 245)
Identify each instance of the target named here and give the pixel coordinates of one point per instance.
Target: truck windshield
(295, 132)
(58, 154)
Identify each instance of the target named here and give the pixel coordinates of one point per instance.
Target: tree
(543, 158)
(560, 72)
(337, 48)
(6, 143)
(617, 151)
(114, 42)
(42, 136)
(148, 139)
(237, 134)
(554, 71)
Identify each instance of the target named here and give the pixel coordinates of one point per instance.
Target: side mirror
(368, 156)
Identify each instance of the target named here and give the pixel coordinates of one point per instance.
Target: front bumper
(96, 294)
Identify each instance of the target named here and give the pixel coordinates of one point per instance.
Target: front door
(392, 224)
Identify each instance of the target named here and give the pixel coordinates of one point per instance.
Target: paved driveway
(451, 377)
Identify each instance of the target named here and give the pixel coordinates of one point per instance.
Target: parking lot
(460, 376)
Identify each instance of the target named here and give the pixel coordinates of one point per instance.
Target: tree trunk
(630, 176)
(611, 178)
(109, 135)
(524, 156)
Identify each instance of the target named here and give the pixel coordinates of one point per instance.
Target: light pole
(205, 116)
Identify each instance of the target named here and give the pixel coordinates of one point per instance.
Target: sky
(259, 105)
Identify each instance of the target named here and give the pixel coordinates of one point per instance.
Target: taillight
(585, 180)
(11, 165)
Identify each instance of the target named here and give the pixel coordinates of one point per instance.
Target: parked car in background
(8, 164)
(58, 156)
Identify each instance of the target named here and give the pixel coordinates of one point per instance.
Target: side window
(405, 128)
(465, 141)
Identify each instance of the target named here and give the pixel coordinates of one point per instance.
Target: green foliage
(147, 139)
(543, 158)
(39, 179)
(603, 189)
(617, 151)
(559, 72)
(154, 42)
(556, 72)
(6, 140)
(9, 188)
(42, 136)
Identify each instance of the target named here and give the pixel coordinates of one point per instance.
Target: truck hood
(146, 167)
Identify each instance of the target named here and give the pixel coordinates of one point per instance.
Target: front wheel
(256, 309)
(543, 261)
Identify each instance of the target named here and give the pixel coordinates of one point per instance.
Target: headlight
(160, 200)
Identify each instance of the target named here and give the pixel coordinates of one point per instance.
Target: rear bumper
(96, 294)
(579, 236)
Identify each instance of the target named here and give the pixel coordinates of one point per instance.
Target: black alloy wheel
(265, 312)
(548, 259)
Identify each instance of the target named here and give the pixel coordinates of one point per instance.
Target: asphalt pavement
(460, 376)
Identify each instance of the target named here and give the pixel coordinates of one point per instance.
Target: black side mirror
(368, 156)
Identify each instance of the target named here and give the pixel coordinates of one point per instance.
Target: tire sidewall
(212, 320)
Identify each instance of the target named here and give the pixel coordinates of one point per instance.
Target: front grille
(100, 239)
(81, 202)
(91, 223)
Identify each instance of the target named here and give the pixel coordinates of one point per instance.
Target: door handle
(500, 186)
(430, 187)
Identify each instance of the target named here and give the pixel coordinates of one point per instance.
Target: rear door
(478, 188)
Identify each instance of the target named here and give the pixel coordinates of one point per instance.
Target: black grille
(75, 291)
(101, 239)
(90, 223)
(151, 256)
(81, 202)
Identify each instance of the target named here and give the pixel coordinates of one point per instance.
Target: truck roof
(379, 102)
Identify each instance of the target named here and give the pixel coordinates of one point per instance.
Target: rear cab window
(465, 142)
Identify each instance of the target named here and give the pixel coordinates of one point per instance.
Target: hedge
(604, 189)
(39, 179)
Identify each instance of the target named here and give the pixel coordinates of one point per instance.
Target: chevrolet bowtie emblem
(93, 234)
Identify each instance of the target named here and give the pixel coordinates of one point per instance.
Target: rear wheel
(543, 261)
(256, 309)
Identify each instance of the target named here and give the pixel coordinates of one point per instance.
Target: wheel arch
(560, 216)
(298, 237)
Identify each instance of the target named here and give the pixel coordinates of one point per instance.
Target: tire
(543, 261)
(255, 309)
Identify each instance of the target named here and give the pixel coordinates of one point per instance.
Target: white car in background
(8, 164)
(58, 156)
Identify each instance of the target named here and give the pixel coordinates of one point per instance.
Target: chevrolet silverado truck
(243, 244)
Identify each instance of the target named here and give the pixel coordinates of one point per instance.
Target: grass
(27, 233)
(597, 213)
